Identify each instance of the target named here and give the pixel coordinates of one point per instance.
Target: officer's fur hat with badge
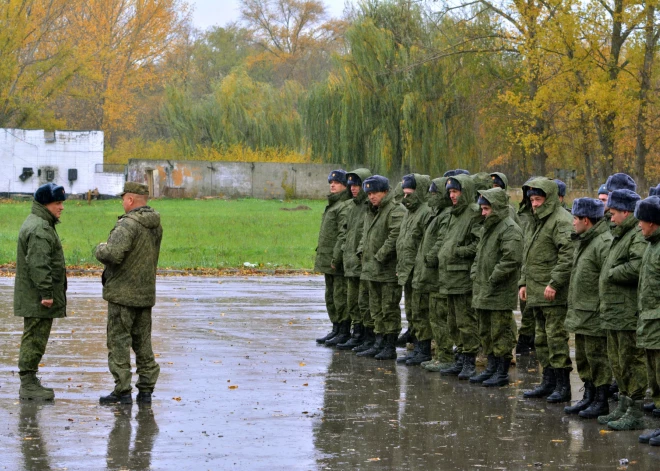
(338, 176)
(376, 183)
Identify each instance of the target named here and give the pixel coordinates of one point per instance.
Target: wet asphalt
(244, 386)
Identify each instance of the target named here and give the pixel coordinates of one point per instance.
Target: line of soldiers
(464, 257)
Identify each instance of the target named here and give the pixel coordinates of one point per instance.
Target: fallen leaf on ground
(233, 386)
(178, 399)
(302, 364)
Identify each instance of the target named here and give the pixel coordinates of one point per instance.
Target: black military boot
(409, 355)
(143, 397)
(389, 348)
(374, 349)
(423, 353)
(490, 370)
(469, 366)
(562, 392)
(525, 344)
(501, 376)
(367, 340)
(546, 387)
(454, 369)
(646, 437)
(587, 398)
(113, 398)
(404, 338)
(599, 406)
(344, 335)
(332, 333)
(355, 340)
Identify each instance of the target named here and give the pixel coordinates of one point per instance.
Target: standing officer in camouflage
(455, 258)
(618, 282)
(526, 332)
(378, 253)
(415, 220)
(357, 291)
(544, 280)
(648, 326)
(130, 258)
(495, 274)
(329, 259)
(40, 285)
(593, 239)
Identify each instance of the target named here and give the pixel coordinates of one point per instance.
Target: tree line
(521, 86)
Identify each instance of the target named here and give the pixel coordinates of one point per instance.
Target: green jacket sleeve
(469, 250)
(119, 242)
(38, 259)
(560, 276)
(511, 257)
(389, 246)
(628, 273)
(342, 228)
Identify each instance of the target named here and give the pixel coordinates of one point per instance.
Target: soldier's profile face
(603, 198)
(536, 201)
(454, 195)
(619, 216)
(336, 187)
(580, 225)
(355, 190)
(55, 208)
(486, 210)
(375, 197)
(647, 228)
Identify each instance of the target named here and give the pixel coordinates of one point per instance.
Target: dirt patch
(300, 207)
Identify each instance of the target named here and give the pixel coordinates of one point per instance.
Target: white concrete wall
(57, 152)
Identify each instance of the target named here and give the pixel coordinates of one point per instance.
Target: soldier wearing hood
(455, 257)
(377, 250)
(329, 259)
(495, 273)
(425, 279)
(593, 238)
(130, 259)
(544, 280)
(415, 190)
(357, 291)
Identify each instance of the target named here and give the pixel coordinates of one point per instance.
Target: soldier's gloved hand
(431, 261)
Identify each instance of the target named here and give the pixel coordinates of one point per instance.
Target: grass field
(196, 233)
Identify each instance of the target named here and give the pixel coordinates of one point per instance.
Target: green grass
(196, 233)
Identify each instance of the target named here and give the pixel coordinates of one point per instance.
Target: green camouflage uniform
(583, 316)
(455, 256)
(547, 261)
(40, 274)
(648, 327)
(413, 225)
(526, 218)
(329, 253)
(495, 273)
(129, 285)
(357, 290)
(378, 251)
(618, 282)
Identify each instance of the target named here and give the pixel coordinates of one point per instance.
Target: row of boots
(363, 341)
(555, 386)
(464, 367)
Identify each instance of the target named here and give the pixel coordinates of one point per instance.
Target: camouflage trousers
(408, 305)
(527, 321)
(653, 374)
(443, 334)
(420, 314)
(357, 299)
(130, 327)
(551, 339)
(335, 298)
(463, 315)
(628, 363)
(497, 332)
(591, 359)
(36, 332)
(384, 300)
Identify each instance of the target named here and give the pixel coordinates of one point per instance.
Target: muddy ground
(244, 386)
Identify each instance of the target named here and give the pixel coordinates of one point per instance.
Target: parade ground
(244, 386)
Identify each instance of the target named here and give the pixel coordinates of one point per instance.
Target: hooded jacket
(513, 213)
(425, 278)
(619, 277)
(648, 327)
(332, 235)
(40, 267)
(131, 258)
(496, 267)
(378, 244)
(357, 209)
(413, 225)
(590, 255)
(458, 248)
(548, 252)
(525, 212)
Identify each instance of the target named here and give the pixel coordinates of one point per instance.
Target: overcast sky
(220, 12)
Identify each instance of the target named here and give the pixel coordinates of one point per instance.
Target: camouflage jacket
(332, 235)
(131, 258)
(357, 210)
(413, 226)
(40, 267)
(648, 326)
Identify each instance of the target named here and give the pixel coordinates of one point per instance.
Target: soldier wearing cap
(130, 257)
(40, 286)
